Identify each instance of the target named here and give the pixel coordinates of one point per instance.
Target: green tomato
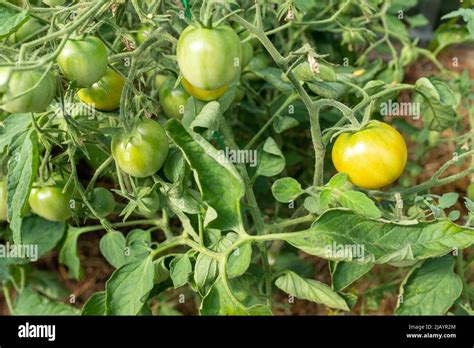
(239, 94)
(247, 53)
(102, 201)
(209, 58)
(50, 203)
(433, 138)
(149, 204)
(83, 60)
(258, 62)
(26, 31)
(143, 151)
(470, 191)
(173, 100)
(3, 200)
(105, 94)
(160, 80)
(143, 33)
(14, 83)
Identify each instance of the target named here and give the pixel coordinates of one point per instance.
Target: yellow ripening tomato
(203, 94)
(372, 157)
(105, 94)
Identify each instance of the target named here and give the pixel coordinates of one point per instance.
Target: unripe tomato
(247, 53)
(239, 94)
(173, 100)
(143, 33)
(150, 204)
(83, 60)
(3, 200)
(433, 138)
(14, 83)
(102, 201)
(26, 31)
(160, 80)
(209, 58)
(143, 151)
(50, 203)
(105, 94)
(372, 157)
(204, 94)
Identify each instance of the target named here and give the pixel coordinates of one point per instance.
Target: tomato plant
(233, 157)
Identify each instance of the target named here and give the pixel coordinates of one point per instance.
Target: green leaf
(11, 21)
(437, 103)
(128, 285)
(273, 77)
(467, 15)
(447, 200)
(346, 273)
(162, 272)
(180, 268)
(22, 168)
(329, 90)
(239, 260)
(68, 254)
(311, 290)
(48, 284)
(208, 117)
(271, 161)
(418, 20)
(205, 273)
(95, 305)
(380, 241)
(42, 233)
(11, 127)
(221, 301)
(219, 182)
(430, 289)
(283, 123)
(286, 190)
(338, 181)
(112, 246)
(29, 302)
(359, 202)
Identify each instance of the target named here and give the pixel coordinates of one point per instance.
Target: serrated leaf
(218, 180)
(430, 289)
(286, 190)
(358, 202)
(271, 161)
(381, 241)
(11, 21)
(127, 287)
(22, 169)
(310, 290)
(180, 268)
